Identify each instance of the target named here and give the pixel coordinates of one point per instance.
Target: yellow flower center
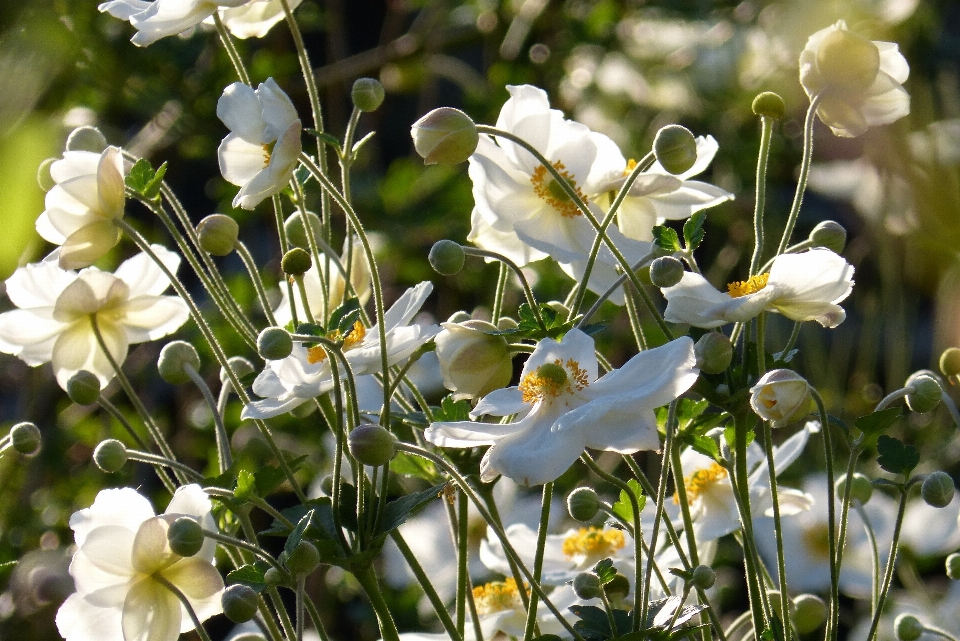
(357, 332)
(550, 380)
(497, 596)
(740, 288)
(593, 543)
(552, 192)
(267, 150)
(631, 165)
(700, 481)
(816, 540)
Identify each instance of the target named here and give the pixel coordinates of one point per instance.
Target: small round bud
(666, 271)
(304, 559)
(713, 352)
(506, 322)
(446, 136)
(83, 388)
(926, 394)
(326, 485)
(810, 612)
(240, 366)
(185, 536)
(110, 456)
(473, 360)
(44, 179)
(781, 396)
(86, 138)
(703, 577)
(297, 233)
(367, 94)
(953, 566)
(586, 585)
(446, 257)
(830, 235)
(372, 444)
(240, 603)
(218, 234)
(770, 105)
(25, 438)
(458, 317)
(583, 504)
(675, 148)
(908, 627)
(618, 588)
(274, 343)
(950, 361)
(296, 262)
(847, 61)
(861, 490)
(273, 576)
(937, 489)
(174, 357)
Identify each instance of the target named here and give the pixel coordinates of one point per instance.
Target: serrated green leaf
(144, 179)
(623, 508)
(666, 238)
(451, 410)
(246, 485)
(415, 466)
(326, 138)
(340, 314)
(730, 435)
(396, 512)
(706, 446)
(269, 477)
(605, 571)
(878, 421)
(311, 329)
(895, 457)
(249, 575)
(693, 230)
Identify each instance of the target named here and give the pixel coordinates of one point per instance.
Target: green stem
(874, 556)
(154, 459)
(891, 562)
(742, 490)
(448, 625)
(224, 456)
(531, 301)
(778, 531)
(498, 294)
(235, 58)
(766, 129)
(460, 524)
(538, 557)
(251, 266)
(371, 585)
(833, 621)
(804, 172)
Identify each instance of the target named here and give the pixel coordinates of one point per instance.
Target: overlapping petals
(162, 18)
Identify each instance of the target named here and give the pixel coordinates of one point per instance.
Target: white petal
(123, 9)
(239, 109)
(29, 334)
(534, 455)
(124, 507)
(78, 620)
(406, 307)
(278, 111)
(467, 433)
(148, 318)
(38, 284)
(76, 349)
(151, 612)
(240, 160)
(167, 18)
(144, 276)
(654, 377)
(484, 236)
(501, 402)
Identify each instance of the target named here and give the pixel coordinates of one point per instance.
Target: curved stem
(671, 427)
(874, 556)
(448, 625)
(778, 531)
(154, 459)
(766, 129)
(251, 266)
(371, 585)
(531, 301)
(225, 459)
(231, 49)
(609, 291)
(804, 172)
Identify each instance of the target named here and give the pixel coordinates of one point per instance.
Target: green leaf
(396, 512)
(339, 317)
(357, 146)
(269, 477)
(326, 138)
(246, 485)
(878, 421)
(297, 535)
(895, 457)
(605, 570)
(623, 508)
(144, 180)
(249, 575)
(310, 329)
(451, 410)
(730, 435)
(706, 446)
(666, 238)
(416, 466)
(593, 620)
(693, 230)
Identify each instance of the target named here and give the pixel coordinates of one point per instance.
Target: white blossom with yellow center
(563, 408)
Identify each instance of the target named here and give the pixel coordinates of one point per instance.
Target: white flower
(162, 18)
(860, 82)
(802, 287)
(82, 207)
(260, 153)
(122, 550)
(306, 373)
(53, 322)
(562, 408)
(780, 396)
(255, 18)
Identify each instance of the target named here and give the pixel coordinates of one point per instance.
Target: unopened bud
(769, 104)
(218, 234)
(44, 179)
(86, 138)
(174, 357)
(618, 588)
(83, 388)
(829, 235)
(675, 148)
(473, 361)
(908, 627)
(937, 489)
(372, 444)
(583, 504)
(273, 576)
(950, 361)
(274, 343)
(25, 438)
(926, 394)
(666, 271)
(445, 136)
(185, 536)
(240, 603)
(458, 317)
(810, 612)
(296, 262)
(367, 94)
(240, 366)
(781, 396)
(446, 257)
(953, 566)
(506, 322)
(847, 61)
(297, 232)
(304, 559)
(713, 353)
(703, 577)
(586, 585)
(861, 490)
(110, 456)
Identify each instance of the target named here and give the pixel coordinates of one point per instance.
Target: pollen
(740, 288)
(593, 543)
(497, 596)
(267, 150)
(700, 481)
(553, 194)
(631, 165)
(551, 380)
(355, 335)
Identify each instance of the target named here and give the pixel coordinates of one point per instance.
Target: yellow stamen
(553, 194)
(550, 380)
(497, 596)
(816, 540)
(740, 288)
(267, 150)
(631, 165)
(698, 482)
(593, 543)
(317, 354)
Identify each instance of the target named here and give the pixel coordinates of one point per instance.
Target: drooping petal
(110, 548)
(148, 318)
(467, 433)
(276, 174)
(278, 111)
(89, 243)
(168, 18)
(501, 402)
(201, 583)
(151, 612)
(533, 455)
(29, 334)
(241, 160)
(653, 377)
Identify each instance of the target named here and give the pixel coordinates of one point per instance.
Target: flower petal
(124, 507)
(144, 276)
(80, 620)
(151, 612)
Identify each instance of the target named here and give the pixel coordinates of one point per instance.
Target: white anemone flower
(802, 287)
(122, 555)
(255, 18)
(260, 153)
(81, 209)
(305, 373)
(162, 18)
(563, 408)
(55, 309)
(859, 82)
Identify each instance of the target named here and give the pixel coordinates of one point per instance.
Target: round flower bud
(458, 317)
(446, 257)
(937, 489)
(296, 262)
(273, 576)
(174, 357)
(908, 627)
(248, 636)
(506, 322)
(297, 232)
(926, 392)
(304, 559)
(586, 585)
(781, 396)
(274, 343)
(666, 271)
(861, 490)
(810, 612)
(240, 603)
(185, 536)
(240, 366)
(473, 362)
(44, 179)
(25, 438)
(218, 234)
(83, 388)
(848, 61)
(367, 94)
(713, 352)
(110, 456)
(446, 136)
(675, 148)
(372, 444)
(953, 566)
(769, 104)
(86, 138)
(583, 504)
(618, 588)
(326, 485)
(703, 577)
(950, 361)
(830, 235)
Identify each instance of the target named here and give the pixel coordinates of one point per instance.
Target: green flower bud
(240, 366)
(372, 444)
(218, 234)
(240, 603)
(446, 257)
(810, 612)
(953, 566)
(458, 317)
(586, 585)
(296, 262)
(83, 388)
(583, 504)
(446, 136)
(862, 488)
(781, 396)
(273, 576)
(326, 485)
(950, 361)
(304, 559)
(937, 489)
(769, 104)
(908, 627)
(774, 597)
(559, 308)
(297, 232)
(675, 148)
(174, 357)
(713, 352)
(506, 322)
(618, 588)
(25, 438)
(274, 343)
(185, 536)
(666, 271)
(367, 94)
(926, 394)
(703, 577)
(473, 362)
(848, 61)
(44, 179)
(86, 138)
(110, 456)
(830, 235)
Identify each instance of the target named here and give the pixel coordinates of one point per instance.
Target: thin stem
(891, 562)
(766, 129)
(538, 557)
(224, 457)
(741, 484)
(874, 556)
(198, 627)
(531, 301)
(610, 290)
(804, 172)
(778, 531)
(251, 266)
(317, 621)
(155, 459)
(891, 397)
(371, 585)
(243, 545)
(448, 625)
(833, 621)
(461, 540)
(940, 632)
(498, 294)
(228, 45)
